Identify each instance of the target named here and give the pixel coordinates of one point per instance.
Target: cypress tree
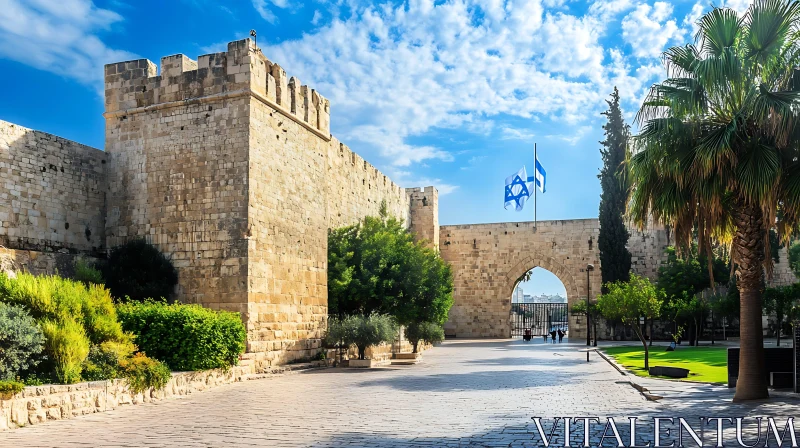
(615, 259)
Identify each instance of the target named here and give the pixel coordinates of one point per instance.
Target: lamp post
(589, 268)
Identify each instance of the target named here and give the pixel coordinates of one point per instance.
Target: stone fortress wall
(52, 192)
(227, 165)
(488, 259)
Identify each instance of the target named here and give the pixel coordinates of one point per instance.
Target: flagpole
(535, 181)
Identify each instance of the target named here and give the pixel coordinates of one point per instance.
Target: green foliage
(71, 315)
(579, 309)
(139, 271)
(688, 274)
(780, 301)
(725, 305)
(143, 373)
(794, 258)
(186, 337)
(361, 331)
(376, 267)
(21, 341)
(103, 362)
(613, 239)
(628, 301)
(10, 387)
(429, 332)
(87, 274)
(67, 345)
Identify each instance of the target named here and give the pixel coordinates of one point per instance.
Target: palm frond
(769, 22)
(718, 30)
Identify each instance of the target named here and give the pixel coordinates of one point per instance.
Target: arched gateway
(487, 260)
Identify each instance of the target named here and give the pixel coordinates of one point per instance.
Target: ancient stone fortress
(227, 165)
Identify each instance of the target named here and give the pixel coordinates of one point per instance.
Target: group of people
(553, 334)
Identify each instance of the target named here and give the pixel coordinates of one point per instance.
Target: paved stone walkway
(466, 393)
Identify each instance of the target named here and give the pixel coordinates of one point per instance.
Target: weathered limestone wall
(487, 259)
(425, 214)
(647, 250)
(178, 170)
(782, 274)
(52, 192)
(228, 166)
(38, 263)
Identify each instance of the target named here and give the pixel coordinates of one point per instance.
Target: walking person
(553, 336)
(560, 335)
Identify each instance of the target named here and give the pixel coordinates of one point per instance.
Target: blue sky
(447, 93)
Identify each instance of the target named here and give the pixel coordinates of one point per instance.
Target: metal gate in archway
(540, 318)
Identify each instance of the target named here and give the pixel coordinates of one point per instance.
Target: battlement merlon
(243, 69)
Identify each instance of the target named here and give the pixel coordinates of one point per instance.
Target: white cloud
(607, 9)
(508, 133)
(648, 29)
(574, 138)
(690, 21)
(59, 36)
(739, 5)
(394, 72)
(264, 8)
(409, 179)
(317, 18)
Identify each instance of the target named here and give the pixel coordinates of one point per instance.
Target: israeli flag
(540, 175)
(517, 189)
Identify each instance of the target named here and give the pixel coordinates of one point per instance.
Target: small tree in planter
(424, 331)
(366, 331)
(361, 331)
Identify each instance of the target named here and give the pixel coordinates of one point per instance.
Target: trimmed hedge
(185, 337)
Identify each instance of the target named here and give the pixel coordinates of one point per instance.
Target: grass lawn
(706, 364)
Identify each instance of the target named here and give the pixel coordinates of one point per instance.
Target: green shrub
(429, 332)
(71, 315)
(186, 337)
(68, 346)
(21, 341)
(143, 373)
(87, 274)
(139, 271)
(56, 298)
(103, 362)
(8, 388)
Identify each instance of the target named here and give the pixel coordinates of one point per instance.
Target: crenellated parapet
(242, 70)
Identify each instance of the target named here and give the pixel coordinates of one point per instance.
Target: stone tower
(227, 165)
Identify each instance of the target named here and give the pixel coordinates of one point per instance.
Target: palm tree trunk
(748, 242)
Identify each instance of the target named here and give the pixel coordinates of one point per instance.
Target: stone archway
(487, 259)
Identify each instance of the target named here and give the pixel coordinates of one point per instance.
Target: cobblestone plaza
(465, 393)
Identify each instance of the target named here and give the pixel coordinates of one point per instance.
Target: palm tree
(717, 152)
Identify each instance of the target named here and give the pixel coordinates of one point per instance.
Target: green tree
(794, 258)
(717, 151)
(689, 273)
(376, 267)
(780, 301)
(613, 240)
(138, 270)
(628, 302)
